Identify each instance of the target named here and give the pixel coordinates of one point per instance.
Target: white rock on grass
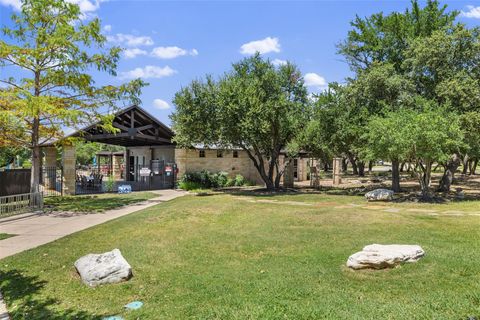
(377, 256)
(379, 195)
(108, 267)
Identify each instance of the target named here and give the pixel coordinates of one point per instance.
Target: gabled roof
(137, 128)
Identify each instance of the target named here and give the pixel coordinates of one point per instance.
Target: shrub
(189, 185)
(206, 180)
(240, 180)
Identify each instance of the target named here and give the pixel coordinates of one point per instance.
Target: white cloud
(161, 104)
(279, 62)
(148, 72)
(130, 40)
(134, 52)
(315, 80)
(266, 45)
(15, 4)
(172, 52)
(87, 7)
(473, 12)
(107, 27)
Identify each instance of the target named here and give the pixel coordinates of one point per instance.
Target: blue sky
(170, 43)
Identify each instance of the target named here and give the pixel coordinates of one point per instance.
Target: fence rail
(20, 203)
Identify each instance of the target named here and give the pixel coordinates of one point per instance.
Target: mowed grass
(236, 257)
(4, 236)
(96, 203)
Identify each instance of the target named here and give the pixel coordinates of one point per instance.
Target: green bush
(240, 180)
(189, 185)
(206, 180)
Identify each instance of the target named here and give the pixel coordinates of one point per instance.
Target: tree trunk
(396, 176)
(450, 167)
(344, 165)
(424, 178)
(35, 171)
(326, 167)
(474, 167)
(351, 158)
(257, 160)
(402, 166)
(370, 166)
(361, 168)
(465, 162)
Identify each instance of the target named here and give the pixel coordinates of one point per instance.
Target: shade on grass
(97, 202)
(228, 257)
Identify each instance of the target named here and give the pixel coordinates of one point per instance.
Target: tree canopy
(55, 52)
(256, 106)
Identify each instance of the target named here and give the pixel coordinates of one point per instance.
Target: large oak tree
(256, 106)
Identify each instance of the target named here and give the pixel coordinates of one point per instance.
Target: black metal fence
(156, 176)
(51, 181)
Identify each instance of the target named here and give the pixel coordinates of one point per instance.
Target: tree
(386, 139)
(86, 151)
(55, 50)
(424, 136)
(381, 38)
(446, 68)
(256, 106)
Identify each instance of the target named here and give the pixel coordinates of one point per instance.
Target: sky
(171, 43)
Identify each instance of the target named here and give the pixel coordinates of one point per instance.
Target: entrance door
(131, 168)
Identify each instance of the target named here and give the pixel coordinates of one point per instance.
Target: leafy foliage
(57, 52)
(256, 106)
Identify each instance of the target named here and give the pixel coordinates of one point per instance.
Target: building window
(201, 153)
(219, 154)
(235, 154)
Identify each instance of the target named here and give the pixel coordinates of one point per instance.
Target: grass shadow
(94, 203)
(23, 292)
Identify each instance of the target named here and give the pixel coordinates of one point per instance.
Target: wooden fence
(15, 181)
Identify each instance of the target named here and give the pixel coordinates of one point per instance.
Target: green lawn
(282, 257)
(5, 236)
(96, 203)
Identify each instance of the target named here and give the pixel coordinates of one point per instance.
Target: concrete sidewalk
(33, 230)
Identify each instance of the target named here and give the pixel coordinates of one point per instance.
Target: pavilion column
(69, 160)
(116, 167)
(288, 179)
(337, 167)
(50, 168)
(181, 158)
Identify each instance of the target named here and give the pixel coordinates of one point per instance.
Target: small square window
(201, 154)
(235, 154)
(219, 154)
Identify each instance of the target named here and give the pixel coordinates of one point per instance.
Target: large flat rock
(108, 267)
(377, 256)
(379, 195)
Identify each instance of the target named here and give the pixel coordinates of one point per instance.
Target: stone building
(148, 142)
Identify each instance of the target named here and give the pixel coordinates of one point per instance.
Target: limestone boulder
(379, 195)
(108, 267)
(377, 256)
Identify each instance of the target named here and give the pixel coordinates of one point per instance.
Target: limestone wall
(188, 160)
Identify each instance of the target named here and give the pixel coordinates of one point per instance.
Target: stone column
(337, 167)
(69, 160)
(49, 171)
(116, 167)
(181, 161)
(288, 179)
